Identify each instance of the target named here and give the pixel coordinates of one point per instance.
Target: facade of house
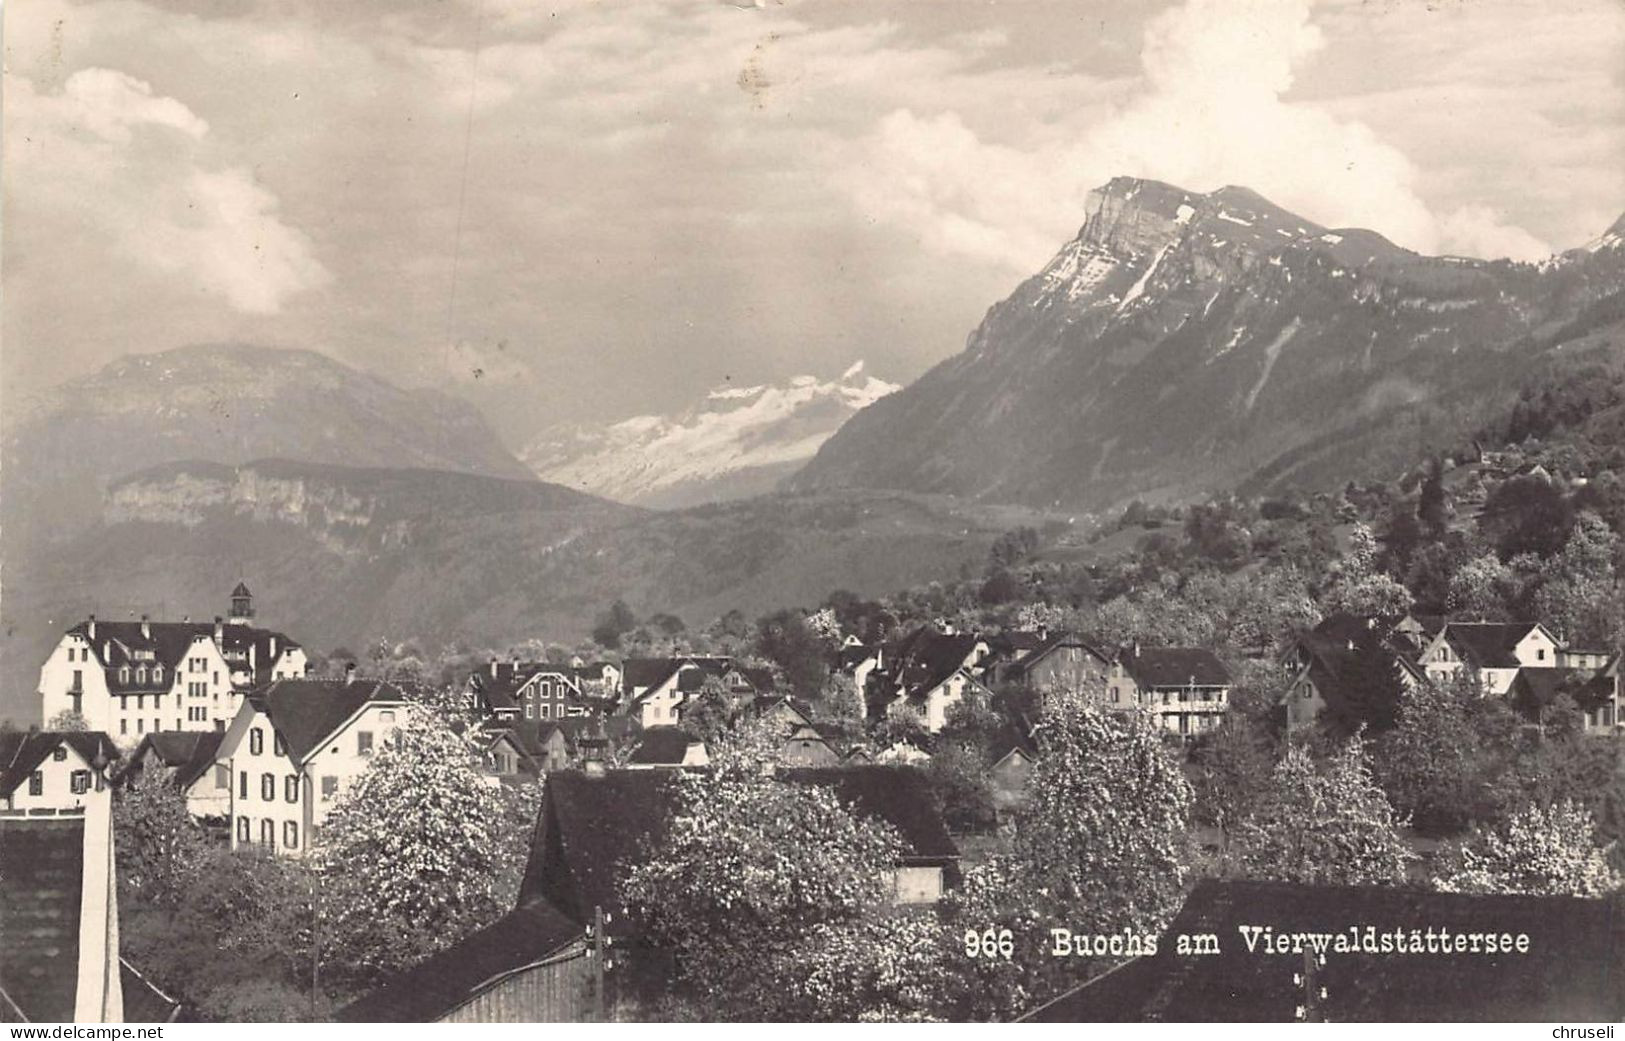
(132, 678)
(925, 675)
(806, 745)
(51, 773)
(294, 747)
(656, 689)
(1325, 663)
(1059, 663)
(1492, 652)
(542, 690)
(1187, 689)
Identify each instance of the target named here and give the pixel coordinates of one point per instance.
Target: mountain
(1182, 343)
(341, 556)
(737, 442)
(225, 403)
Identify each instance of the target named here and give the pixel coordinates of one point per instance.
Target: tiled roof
(1033, 655)
(22, 753)
(1533, 688)
(306, 712)
(189, 752)
(449, 978)
(1154, 667)
(1571, 974)
(1488, 645)
(41, 872)
(899, 795)
(663, 746)
(117, 643)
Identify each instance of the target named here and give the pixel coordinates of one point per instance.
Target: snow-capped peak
(736, 441)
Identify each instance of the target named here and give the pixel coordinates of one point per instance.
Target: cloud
(108, 157)
(1213, 108)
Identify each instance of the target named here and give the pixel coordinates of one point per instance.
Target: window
(268, 833)
(1540, 655)
(242, 786)
(79, 782)
(141, 726)
(60, 754)
(268, 787)
(278, 744)
(290, 835)
(157, 674)
(330, 788)
(529, 709)
(291, 788)
(141, 674)
(140, 702)
(124, 674)
(36, 783)
(256, 741)
(222, 776)
(363, 742)
(242, 830)
(546, 710)
(78, 679)
(124, 726)
(386, 716)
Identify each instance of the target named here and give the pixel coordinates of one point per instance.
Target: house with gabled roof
(1056, 663)
(1325, 665)
(1186, 689)
(667, 747)
(49, 772)
(132, 678)
(189, 760)
(295, 746)
(541, 690)
(926, 674)
(1492, 652)
(1595, 692)
(656, 689)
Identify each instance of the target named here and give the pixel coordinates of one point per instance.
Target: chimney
(493, 668)
(1136, 648)
(1370, 623)
(146, 628)
(219, 629)
(251, 663)
(592, 745)
(92, 628)
(349, 674)
(273, 646)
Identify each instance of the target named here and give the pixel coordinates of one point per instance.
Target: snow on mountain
(734, 443)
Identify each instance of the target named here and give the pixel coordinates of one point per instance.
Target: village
(938, 736)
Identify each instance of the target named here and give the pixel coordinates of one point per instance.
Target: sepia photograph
(811, 511)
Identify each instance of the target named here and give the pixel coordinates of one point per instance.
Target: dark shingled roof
(662, 746)
(592, 829)
(1175, 667)
(449, 978)
(306, 712)
(1573, 971)
(1488, 645)
(1033, 655)
(189, 752)
(921, 661)
(1533, 689)
(41, 871)
(22, 753)
(115, 644)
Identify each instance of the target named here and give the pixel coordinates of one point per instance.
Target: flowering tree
(1100, 847)
(1543, 851)
(411, 856)
(1327, 824)
(763, 888)
(157, 842)
(1360, 587)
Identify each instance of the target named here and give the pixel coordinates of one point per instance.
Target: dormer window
(124, 674)
(141, 674)
(157, 674)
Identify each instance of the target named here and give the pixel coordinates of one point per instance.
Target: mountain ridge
(1180, 343)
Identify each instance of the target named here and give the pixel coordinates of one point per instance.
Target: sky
(581, 211)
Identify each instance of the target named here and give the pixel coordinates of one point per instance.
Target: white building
(46, 773)
(132, 678)
(1493, 652)
(292, 750)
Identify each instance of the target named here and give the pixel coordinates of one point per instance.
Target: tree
(1436, 766)
(1360, 587)
(1580, 596)
(786, 639)
(1481, 589)
(157, 843)
(959, 777)
(1542, 851)
(67, 719)
(1430, 504)
(753, 872)
(1014, 547)
(411, 856)
(1230, 769)
(710, 712)
(613, 624)
(840, 704)
(1527, 514)
(1324, 824)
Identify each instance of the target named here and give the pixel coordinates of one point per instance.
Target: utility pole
(600, 951)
